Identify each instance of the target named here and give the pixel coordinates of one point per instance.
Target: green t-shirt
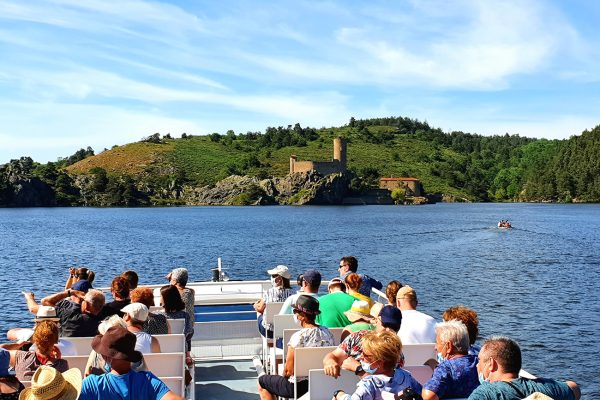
(523, 388)
(332, 307)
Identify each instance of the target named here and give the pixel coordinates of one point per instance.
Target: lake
(537, 283)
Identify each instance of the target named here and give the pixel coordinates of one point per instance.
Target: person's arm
(333, 361)
(429, 395)
(575, 389)
(350, 364)
(71, 279)
(155, 346)
(288, 370)
(32, 305)
(259, 306)
(55, 298)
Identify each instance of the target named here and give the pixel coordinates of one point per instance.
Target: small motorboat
(504, 224)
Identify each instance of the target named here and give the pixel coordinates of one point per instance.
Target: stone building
(338, 164)
(412, 186)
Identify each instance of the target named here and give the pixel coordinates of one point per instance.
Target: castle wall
(302, 166)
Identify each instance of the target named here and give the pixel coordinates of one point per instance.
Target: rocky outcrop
(30, 193)
(296, 189)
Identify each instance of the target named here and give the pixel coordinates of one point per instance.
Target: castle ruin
(337, 165)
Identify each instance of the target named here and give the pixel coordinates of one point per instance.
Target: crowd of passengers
(122, 332)
(372, 339)
(371, 347)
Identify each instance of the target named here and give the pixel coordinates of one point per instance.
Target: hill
(158, 170)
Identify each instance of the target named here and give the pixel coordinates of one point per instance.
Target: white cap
(280, 270)
(136, 311)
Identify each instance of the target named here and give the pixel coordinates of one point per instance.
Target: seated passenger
(119, 289)
(135, 314)
(379, 359)
(132, 278)
(391, 292)
(45, 338)
(456, 375)
(49, 384)
(469, 318)
(96, 364)
(347, 354)
(178, 278)
(311, 281)
(156, 324)
(498, 368)
(353, 283)
(10, 386)
(334, 304)
(79, 279)
(117, 348)
(174, 308)
(305, 309)
(349, 265)
(417, 327)
(281, 290)
(360, 318)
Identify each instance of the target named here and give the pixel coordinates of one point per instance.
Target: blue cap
(4, 361)
(391, 317)
(312, 277)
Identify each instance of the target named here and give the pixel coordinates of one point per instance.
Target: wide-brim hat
(359, 310)
(281, 270)
(46, 313)
(48, 383)
(307, 305)
(117, 343)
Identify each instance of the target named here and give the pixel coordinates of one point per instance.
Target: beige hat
(47, 383)
(137, 311)
(407, 292)
(280, 270)
(46, 313)
(359, 310)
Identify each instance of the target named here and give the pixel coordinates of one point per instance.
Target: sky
(78, 73)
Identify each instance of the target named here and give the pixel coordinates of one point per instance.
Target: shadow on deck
(231, 380)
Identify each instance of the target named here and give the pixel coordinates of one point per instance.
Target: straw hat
(359, 310)
(47, 383)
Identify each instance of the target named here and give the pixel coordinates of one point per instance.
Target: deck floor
(226, 379)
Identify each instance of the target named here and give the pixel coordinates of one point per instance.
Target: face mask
(296, 321)
(367, 367)
(440, 358)
(107, 367)
(482, 380)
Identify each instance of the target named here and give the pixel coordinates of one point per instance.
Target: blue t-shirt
(371, 386)
(454, 378)
(131, 386)
(522, 388)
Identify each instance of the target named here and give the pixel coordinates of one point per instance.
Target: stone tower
(339, 152)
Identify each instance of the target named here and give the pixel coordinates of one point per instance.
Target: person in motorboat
(347, 354)
(281, 290)
(498, 369)
(471, 321)
(116, 346)
(456, 374)
(306, 308)
(417, 327)
(380, 360)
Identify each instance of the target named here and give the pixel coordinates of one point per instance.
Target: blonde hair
(45, 336)
(385, 347)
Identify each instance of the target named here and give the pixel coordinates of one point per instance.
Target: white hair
(111, 322)
(454, 332)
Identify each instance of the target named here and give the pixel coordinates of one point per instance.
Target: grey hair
(96, 299)
(455, 332)
(111, 322)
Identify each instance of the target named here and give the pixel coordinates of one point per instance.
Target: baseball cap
(281, 270)
(136, 311)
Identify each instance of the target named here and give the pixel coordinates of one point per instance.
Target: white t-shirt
(286, 307)
(416, 327)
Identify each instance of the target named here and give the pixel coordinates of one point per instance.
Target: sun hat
(117, 343)
(136, 311)
(180, 275)
(46, 313)
(391, 317)
(4, 362)
(281, 270)
(312, 277)
(307, 305)
(359, 310)
(48, 383)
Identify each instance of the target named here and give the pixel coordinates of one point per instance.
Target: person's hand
(29, 295)
(72, 271)
(56, 352)
(331, 368)
(259, 306)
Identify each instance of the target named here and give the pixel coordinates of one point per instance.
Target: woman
(96, 364)
(456, 375)
(353, 282)
(174, 308)
(471, 321)
(10, 386)
(119, 289)
(79, 279)
(45, 338)
(360, 317)
(179, 278)
(391, 292)
(379, 359)
(156, 324)
(305, 311)
(281, 290)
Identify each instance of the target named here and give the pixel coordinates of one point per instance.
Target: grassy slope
(206, 162)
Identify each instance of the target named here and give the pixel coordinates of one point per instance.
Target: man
(348, 265)
(334, 304)
(417, 327)
(347, 353)
(310, 286)
(498, 368)
(134, 315)
(116, 347)
(76, 319)
(132, 278)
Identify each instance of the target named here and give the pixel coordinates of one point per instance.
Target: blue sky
(78, 73)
